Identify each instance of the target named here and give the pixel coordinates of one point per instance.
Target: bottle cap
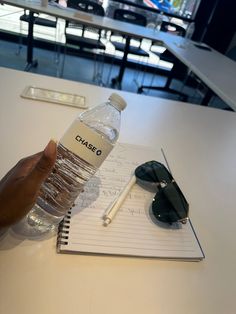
(117, 101)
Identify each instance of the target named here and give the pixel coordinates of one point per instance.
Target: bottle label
(86, 143)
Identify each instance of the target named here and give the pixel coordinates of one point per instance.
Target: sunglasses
(169, 204)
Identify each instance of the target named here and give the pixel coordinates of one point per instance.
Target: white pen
(113, 209)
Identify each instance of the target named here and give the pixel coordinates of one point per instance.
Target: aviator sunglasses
(169, 204)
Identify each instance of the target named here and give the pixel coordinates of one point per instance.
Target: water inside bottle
(106, 131)
(64, 184)
(60, 190)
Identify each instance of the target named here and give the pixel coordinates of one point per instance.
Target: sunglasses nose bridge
(164, 183)
(184, 220)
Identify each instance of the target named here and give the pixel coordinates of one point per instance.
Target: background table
(214, 69)
(200, 146)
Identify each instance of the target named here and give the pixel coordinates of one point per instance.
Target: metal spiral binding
(63, 231)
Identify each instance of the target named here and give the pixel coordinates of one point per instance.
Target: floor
(81, 69)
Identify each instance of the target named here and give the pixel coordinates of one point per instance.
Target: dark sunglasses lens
(153, 171)
(169, 204)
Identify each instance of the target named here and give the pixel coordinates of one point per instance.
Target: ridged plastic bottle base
(42, 221)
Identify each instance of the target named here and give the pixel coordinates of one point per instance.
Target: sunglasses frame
(162, 185)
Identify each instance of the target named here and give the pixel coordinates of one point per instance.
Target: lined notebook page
(133, 231)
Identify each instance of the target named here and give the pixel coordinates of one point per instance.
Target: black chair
(76, 35)
(133, 18)
(41, 20)
(178, 70)
(125, 44)
(173, 28)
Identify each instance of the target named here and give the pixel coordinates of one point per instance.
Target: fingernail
(50, 148)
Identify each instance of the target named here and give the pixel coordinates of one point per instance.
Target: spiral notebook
(133, 232)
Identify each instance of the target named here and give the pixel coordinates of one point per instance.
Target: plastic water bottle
(190, 30)
(159, 20)
(81, 151)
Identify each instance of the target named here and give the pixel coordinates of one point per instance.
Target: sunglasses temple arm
(166, 161)
(113, 209)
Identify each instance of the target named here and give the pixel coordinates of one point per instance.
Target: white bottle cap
(118, 101)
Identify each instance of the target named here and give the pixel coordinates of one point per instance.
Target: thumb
(45, 164)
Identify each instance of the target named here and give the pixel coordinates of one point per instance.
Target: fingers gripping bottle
(81, 151)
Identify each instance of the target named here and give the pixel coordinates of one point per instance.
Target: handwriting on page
(107, 184)
(133, 231)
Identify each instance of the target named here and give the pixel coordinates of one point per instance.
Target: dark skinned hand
(19, 188)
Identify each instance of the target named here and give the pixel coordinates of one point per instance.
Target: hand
(20, 186)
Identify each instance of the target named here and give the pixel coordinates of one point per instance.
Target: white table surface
(200, 146)
(214, 69)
